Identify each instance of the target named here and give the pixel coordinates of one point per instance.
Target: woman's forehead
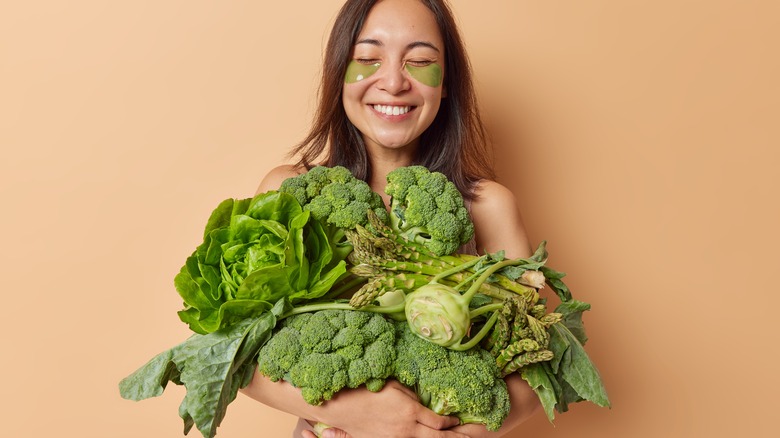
(405, 22)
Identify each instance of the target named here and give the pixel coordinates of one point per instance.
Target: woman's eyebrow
(409, 46)
(370, 41)
(423, 44)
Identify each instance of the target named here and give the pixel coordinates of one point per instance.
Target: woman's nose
(393, 79)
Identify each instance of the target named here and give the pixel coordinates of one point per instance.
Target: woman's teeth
(391, 110)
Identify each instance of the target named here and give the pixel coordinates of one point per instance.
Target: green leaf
(317, 242)
(578, 371)
(151, 379)
(540, 382)
(325, 282)
(568, 396)
(559, 345)
(266, 284)
(220, 216)
(209, 365)
(295, 256)
(572, 318)
(200, 322)
(512, 272)
(233, 311)
(190, 291)
(275, 206)
(540, 255)
(553, 278)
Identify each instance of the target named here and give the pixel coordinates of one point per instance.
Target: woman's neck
(381, 166)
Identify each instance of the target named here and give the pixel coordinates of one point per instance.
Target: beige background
(640, 136)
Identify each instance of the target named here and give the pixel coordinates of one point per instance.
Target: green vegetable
(337, 199)
(283, 256)
(326, 351)
(254, 252)
(434, 306)
(427, 208)
(211, 367)
(466, 384)
(443, 315)
(519, 332)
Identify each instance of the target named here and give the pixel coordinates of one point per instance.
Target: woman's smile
(392, 110)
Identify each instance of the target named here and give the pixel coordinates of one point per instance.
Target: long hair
(455, 144)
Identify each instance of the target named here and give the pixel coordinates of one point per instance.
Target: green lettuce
(255, 251)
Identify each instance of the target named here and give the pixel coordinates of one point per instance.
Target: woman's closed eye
(420, 62)
(367, 61)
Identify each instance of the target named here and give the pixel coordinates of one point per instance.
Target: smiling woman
(397, 91)
(431, 61)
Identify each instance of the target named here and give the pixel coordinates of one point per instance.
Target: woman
(396, 90)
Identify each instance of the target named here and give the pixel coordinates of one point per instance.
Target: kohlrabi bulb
(438, 314)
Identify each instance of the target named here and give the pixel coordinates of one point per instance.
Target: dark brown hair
(455, 144)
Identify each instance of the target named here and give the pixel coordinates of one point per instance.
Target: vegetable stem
(476, 339)
(344, 306)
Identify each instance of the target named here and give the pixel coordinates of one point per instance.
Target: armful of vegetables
(262, 292)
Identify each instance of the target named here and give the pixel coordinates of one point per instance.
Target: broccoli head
(427, 208)
(335, 197)
(466, 384)
(325, 351)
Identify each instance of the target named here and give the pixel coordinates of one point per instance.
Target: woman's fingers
(430, 419)
(426, 432)
(330, 432)
(334, 433)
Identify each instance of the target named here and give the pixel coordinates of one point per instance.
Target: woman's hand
(393, 412)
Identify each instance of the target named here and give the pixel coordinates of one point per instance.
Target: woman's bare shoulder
(492, 194)
(497, 220)
(273, 179)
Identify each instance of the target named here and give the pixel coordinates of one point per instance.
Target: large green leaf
(213, 369)
(577, 370)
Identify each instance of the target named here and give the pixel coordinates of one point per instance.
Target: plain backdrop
(640, 137)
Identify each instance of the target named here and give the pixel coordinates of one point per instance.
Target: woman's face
(393, 85)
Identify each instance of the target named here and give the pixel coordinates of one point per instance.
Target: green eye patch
(357, 71)
(430, 75)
